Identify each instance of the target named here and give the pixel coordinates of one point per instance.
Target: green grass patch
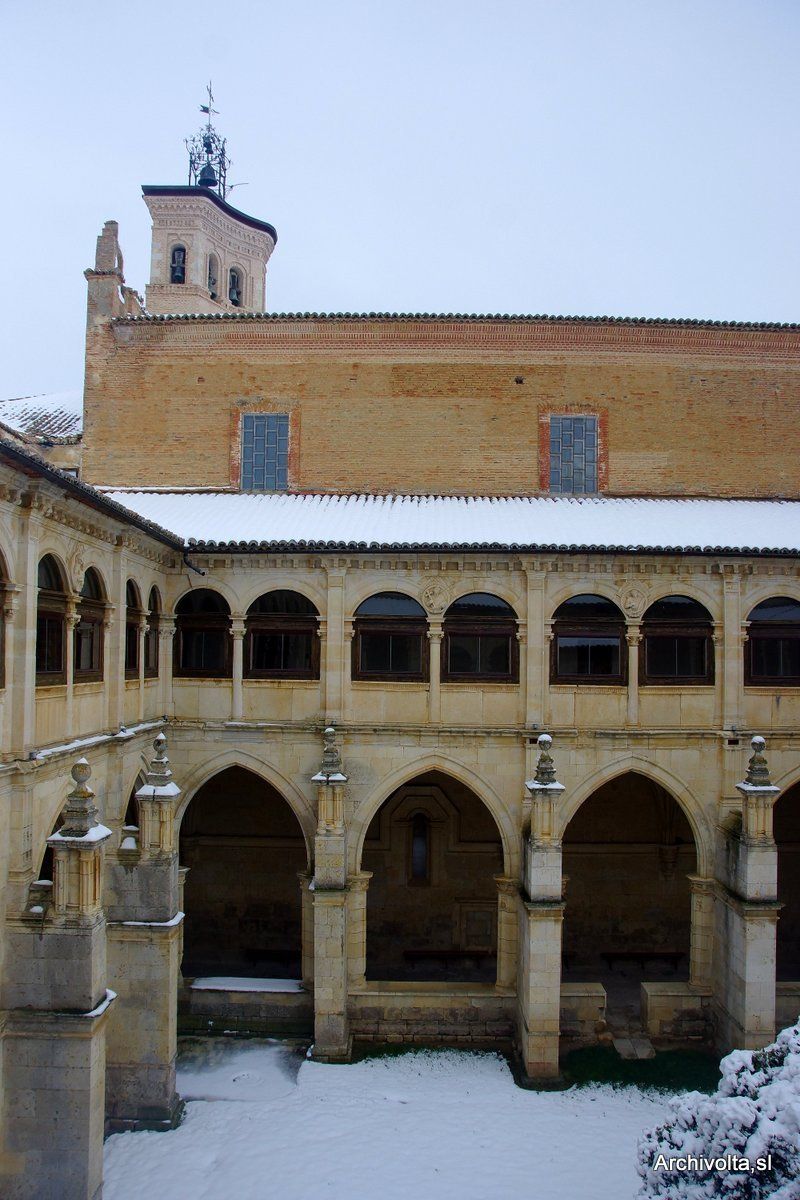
(670, 1070)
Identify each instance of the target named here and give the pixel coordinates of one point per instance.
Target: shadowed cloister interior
(627, 854)
(787, 837)
(433, 849)
(244, 848)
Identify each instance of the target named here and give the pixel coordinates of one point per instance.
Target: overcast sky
(631, 157)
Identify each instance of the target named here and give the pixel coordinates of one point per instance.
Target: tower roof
(195, 190)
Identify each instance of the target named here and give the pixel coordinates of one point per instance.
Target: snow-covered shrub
(754, 1115)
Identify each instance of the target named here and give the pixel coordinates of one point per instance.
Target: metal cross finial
(209, 109)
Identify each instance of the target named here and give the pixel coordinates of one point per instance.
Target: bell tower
(207, 257)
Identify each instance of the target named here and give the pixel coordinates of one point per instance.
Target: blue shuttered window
(573, 455)
(265, 452)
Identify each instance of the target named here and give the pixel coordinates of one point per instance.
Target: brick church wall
(422, 407)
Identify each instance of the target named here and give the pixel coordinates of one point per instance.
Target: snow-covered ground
(450, 1125)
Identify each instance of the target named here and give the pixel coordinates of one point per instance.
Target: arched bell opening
(627, 856)
(433, 849)
(244, 847)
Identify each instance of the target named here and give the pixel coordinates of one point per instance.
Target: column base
(534, 1083)
(128, 1113)
(333, 1054)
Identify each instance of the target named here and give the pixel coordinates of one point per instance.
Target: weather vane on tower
(208, 160)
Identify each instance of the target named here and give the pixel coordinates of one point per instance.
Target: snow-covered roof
(251, 521)
(54, 416)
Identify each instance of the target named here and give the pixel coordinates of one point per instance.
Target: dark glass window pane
(49, 644)
(464, 655)
(495, 654)
(203, 650)
(776, 658)
(480, 604)
(390, 604)
(131, 647)
(690, 655)
(283, 603)
(406, 653)
(266, 652)
(151, 651)
(280, 651)
(87, 647)
(297, 651)
(677, 608)
(586, 607)
(375, 652)
(588, 655)
(778, 609)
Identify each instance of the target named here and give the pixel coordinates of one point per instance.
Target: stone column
(71, 621)
(166, 636)
(114, 665)
(731, 665)
(507, 936)
(306, 928)
(144, 948)
(357, 928)
(435, 635)
(10, 601)
(718, 650)
(110, 689)
(536, 672)
(57, 1002)
(21, 683)
(748, 915)
(332, 1038)
(237, 699)
(540, 921)
(522, 654)
(702, 935)
(334, 662)
(141, 639)
(633, 636)
(547, 644)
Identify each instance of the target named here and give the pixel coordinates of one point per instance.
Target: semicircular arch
(512, 598)
(285, 583)
(227, 593)
(593, 588)
(789, 590)
(694, 591)
(364, 591)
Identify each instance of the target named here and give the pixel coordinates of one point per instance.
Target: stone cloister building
(388, 678)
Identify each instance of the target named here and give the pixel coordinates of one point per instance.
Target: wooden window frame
(588, 629)
(405, 626)
(769, 631)
(674, 629)
(287, 624)
(480, 627)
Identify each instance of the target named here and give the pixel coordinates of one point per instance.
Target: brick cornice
(457, 338)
